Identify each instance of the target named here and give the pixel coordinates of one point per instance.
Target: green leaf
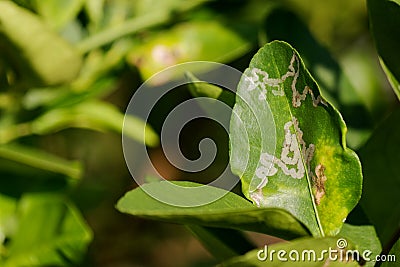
(8, 223)
(221, 243)
(39, 55)
(97, 65)
(301, 252)
(40, 159)
(92, 114)
(288, 144)
(212, 92)
(364, 237)
(94, 10)
(230, 211)
(63, 97)
(203, 89)
(58, 13)
(51, 232)
(125, 27)
(361, 99)
(95, 115)
(286, 26)
(384, 18)
(28, 169)
(94, 81)
(196, 40)
(391, 78)
(380, 158)
(394, 255)
(147, 6)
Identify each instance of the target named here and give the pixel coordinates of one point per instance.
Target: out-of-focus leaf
(118, 26)
(335, 85)
(366, 78)
(394, 255)
(3, 76)
(307, 252)
(94, 81)
(203, 89)
(58, 13)
(63, 97)
(380, 159)
(94, 9)
(28, 4)
(230, 211)
(97, 65)
(40, 57)
(40, 159)
(73, 31)
(384, 18)
(136, 129)
(95, 115)
(147, 6)
(288, 144)
(221, 243)
(51, 232)
(212, 92)
(38, 97)
(364, 237)
(8, 223)
(392, 80)
(332, 24)
(197, 40)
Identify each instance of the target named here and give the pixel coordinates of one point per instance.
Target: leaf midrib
(301, 154)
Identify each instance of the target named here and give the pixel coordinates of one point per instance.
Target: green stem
(40, 159)
(134, 25)
(129, 27)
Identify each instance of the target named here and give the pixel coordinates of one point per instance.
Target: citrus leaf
(51, 232)
(197, 40)
(46, 59)
(365, 238)
(94, 115)
(147, 6)
(230, 211)
(351, 238)
(295, 157)
(199, 88)
(221, 243)
(391, 78)
(91, 114)
(394, 255)
(62, 97)
(380, 159)
(384, 18)
(361, 99)
(301, 252)
(212, 92)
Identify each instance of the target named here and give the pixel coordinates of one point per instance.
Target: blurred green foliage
(70, 66)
